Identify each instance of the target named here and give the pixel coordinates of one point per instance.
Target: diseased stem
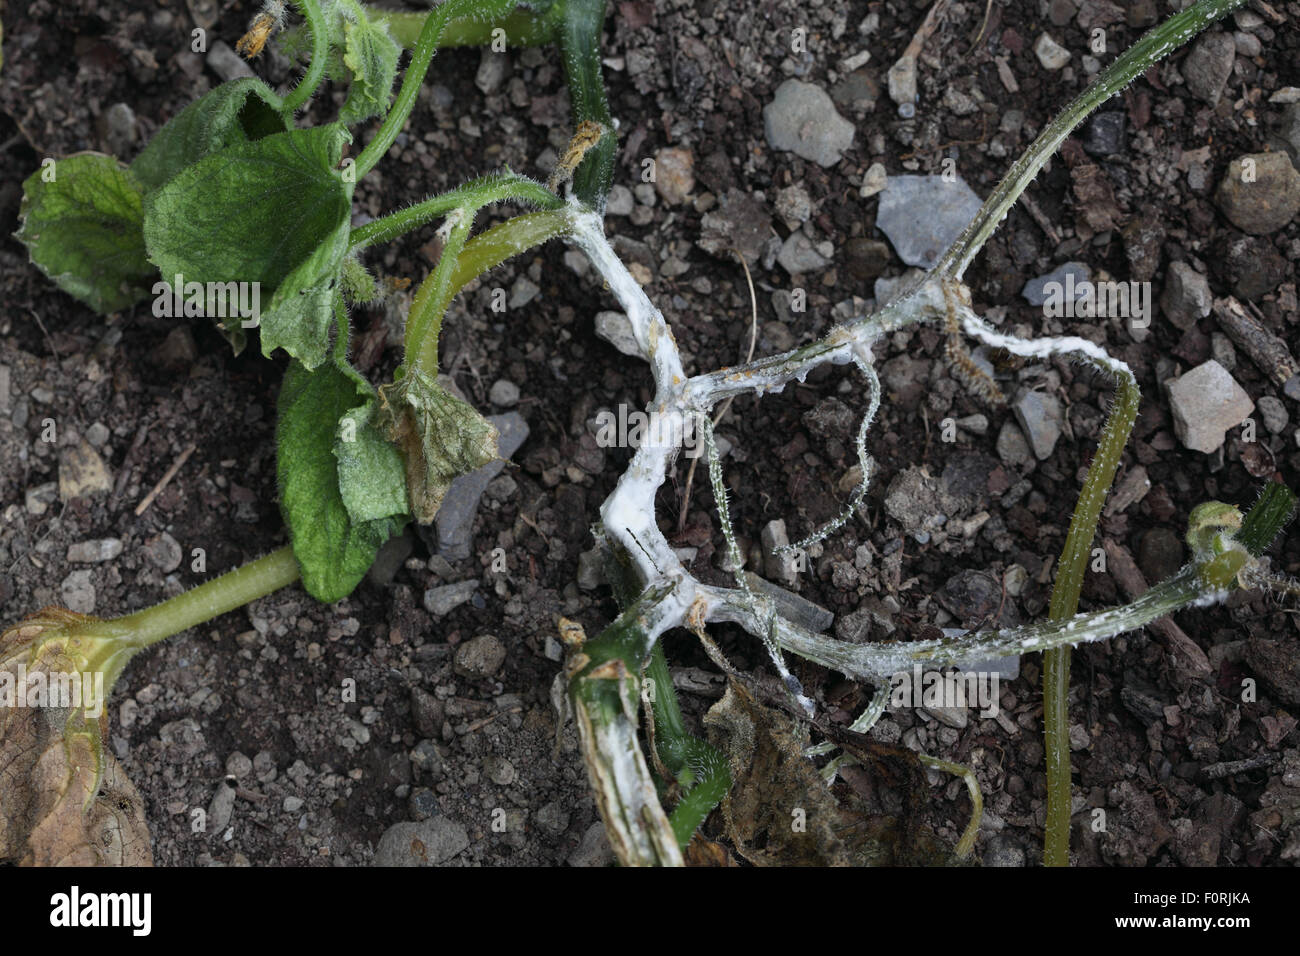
(1065, 602)
(1154, 44)
(579, 35)
(297, 98)
(522, 28)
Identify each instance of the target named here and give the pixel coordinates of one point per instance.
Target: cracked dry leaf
(441, 438)
(63, 801)
(780, 811)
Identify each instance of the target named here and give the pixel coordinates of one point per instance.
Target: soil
(258, 694)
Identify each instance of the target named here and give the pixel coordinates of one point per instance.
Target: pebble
(499, 770)
(1105, 134)
(504, 393)
(779, 567)
(220, 809)
(78, 592)
(98, 435)
(1012, 447)
(1209, 64)
(873, 181)
(674, 174)
(94, 551)
(553, 817)
(866, 259)
(163, 552)
(292, 804)
(480, 657)
(1274, 414)
(1186, 296)
(82, 472)
(798, 254)
(455, 520)
(1205, 403)
(1265, 205)
(922, 215)
(425, 758)
(802, 119)
(620, 201)
(593, 849)
(430, 842)
(422, 804)
(119, 129)
(1050, 53)
(239, 765)
(492, 70)
(1160, 554)
(794, 205)
(442, 600)
(1039, 415)
(616, 329)
(38, 498)
(523, 291)
(1036, 291)
(226, 63)
(976, 424)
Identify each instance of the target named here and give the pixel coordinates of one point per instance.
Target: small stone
(480, 658)
(499, 770)
(922, 215)
(430, 842)
(94, 551)
(427, 712)
(177, 350)
(292, 804)
(1274, 414)
(78, 592)
(221, 809)
(976, 424)
(226, 63)
(954, 717)
(239, 765)
(445, 598)
(98, 435)
(1266, 203)
(873, 181)
(798, 255)
(553, 817)
(426, 758)
(1050, 53)
(1209, 64)
(674, 175)
(118, 126)
(504, 393)
(492, 70)
(616, 329)
(802, 118)
(780, 567)
(1255, 266)
(1012, 447)
(1205, 403)
(422, 804)
(1067, 278)
(523, 291)
(591, 572)
(1105, 134)
(163, 552)
(620, 201)
(794, 205)
(455, 519)
(1039, 415)
(593, 849)
(866, 259)
(1160, 554)
(82, 472)
(38, 498)
(1186, 296)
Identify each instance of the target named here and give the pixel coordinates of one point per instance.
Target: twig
(165, 479)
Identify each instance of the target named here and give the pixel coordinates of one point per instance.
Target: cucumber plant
(233, 190)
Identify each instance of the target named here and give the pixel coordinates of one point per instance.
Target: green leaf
(274, 211)
(333, 549)
(371, 57)
(440, 436)
(237, 112)
(372, 478)
(81, 223)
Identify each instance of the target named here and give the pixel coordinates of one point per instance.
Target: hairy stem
(579, 33)
(522, 28)
(298, 97)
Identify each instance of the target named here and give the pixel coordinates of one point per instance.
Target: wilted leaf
(83, 229)
(371, 57)
(440, 437)
(63, 800)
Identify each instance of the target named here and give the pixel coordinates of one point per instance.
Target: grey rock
(780, 567)
(480, 657)
(1058, 283)
(1205, 403)
(1050, 54)
(1105, 134)
(455, 520)
(976, 424)
(1287, 135)
(94, 551)
(1222, 350)
(239, 765)
(38, 498)
(442, 600)
(1012, 447)
(220, 809)
(553, 817)
(741, 222)
(426, 712)
(954, 717)
(1255, 266)
(1160, 554)
(1209, 64)
(390, 558)
(118, 127)
(292, 804)
(674, 174)
(793, 607)
(426, 759)
(499, 770)
(492, 69)
(616, 329)
(1039, 415)
(523, 291)
(802, 119)
(922, 215)
(78, 592)
(98, 435)
(591, 574)
(226, 63)
(1186, 296)
(1002, 852)
(620, 202)
(799, 255)
(1274, 414)
(430, 842)
(504, 393)
(82, 472)
(593, 849)
(1267, 203)
(793, 205)
(422, 804)
(913, 500)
